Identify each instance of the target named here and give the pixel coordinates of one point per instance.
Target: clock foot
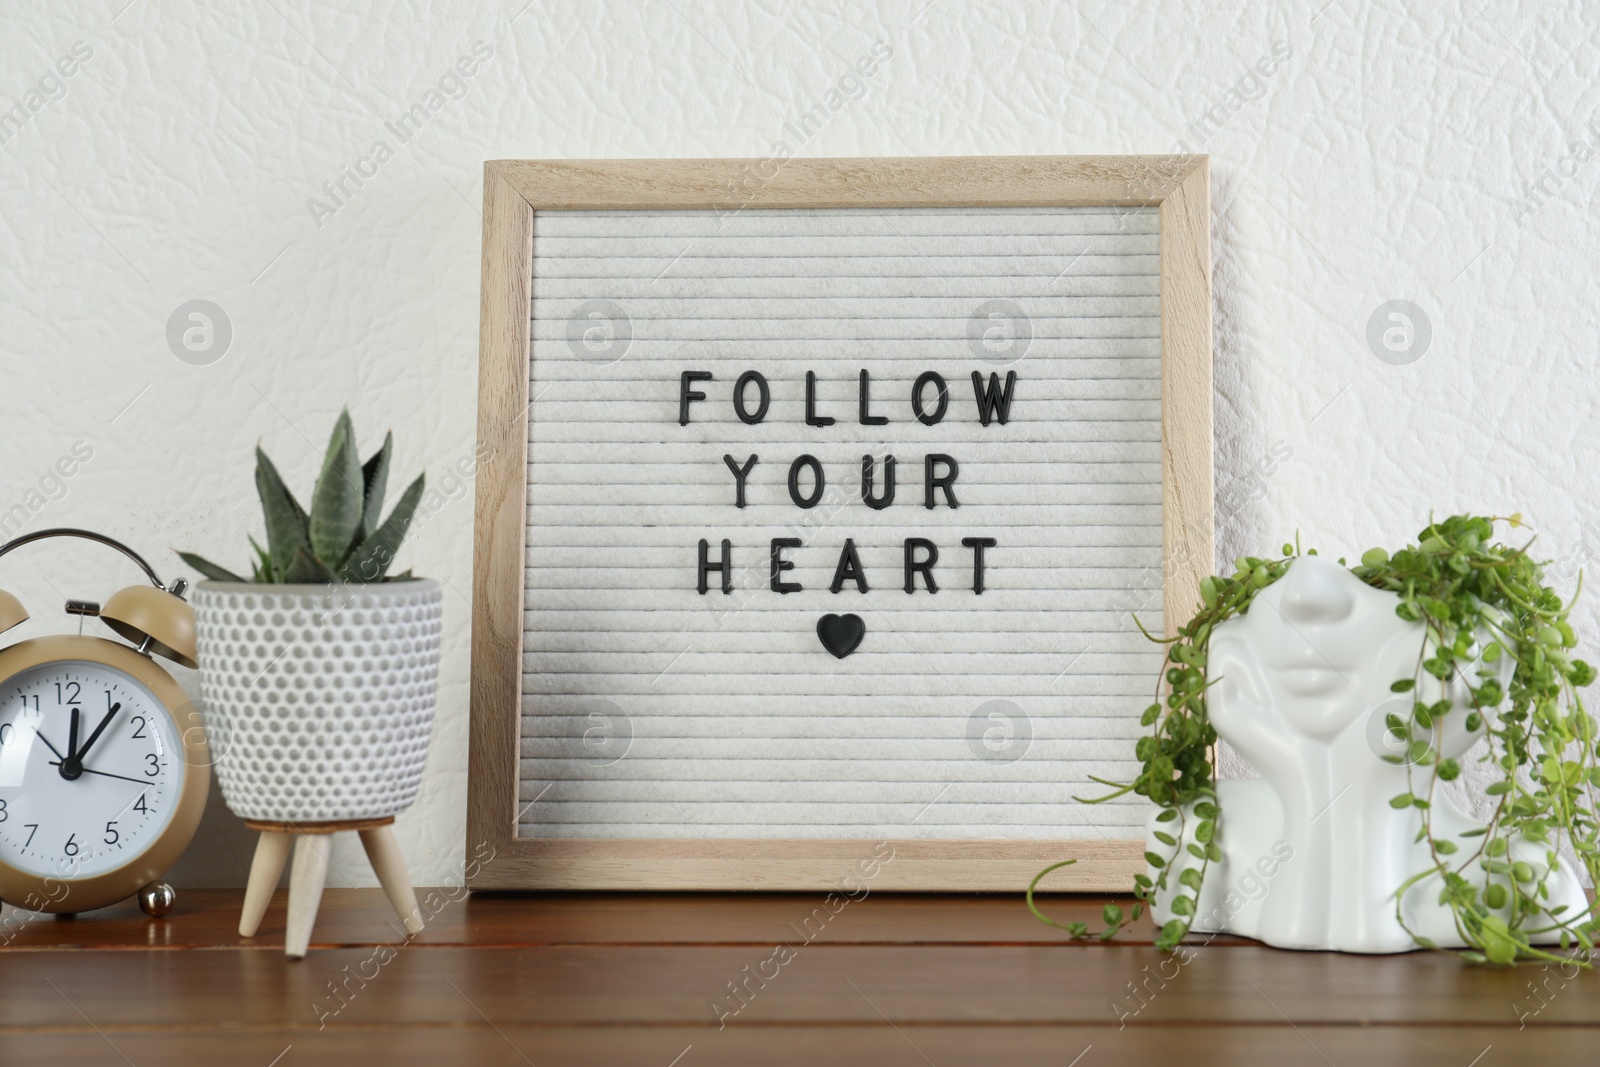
(156, 899)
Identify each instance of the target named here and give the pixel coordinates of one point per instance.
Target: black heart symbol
(840, 634)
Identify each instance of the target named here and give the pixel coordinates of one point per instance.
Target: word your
(343, 990)
(743, 993)
(851, 85)
(1250, 87)
(51, 86)
(452, 85)
(1249, 888)
(52, 486)
(939, 473)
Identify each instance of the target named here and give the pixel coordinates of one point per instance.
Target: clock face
(91, 769)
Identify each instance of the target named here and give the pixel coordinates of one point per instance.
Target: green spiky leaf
(209, 569)
(320, 546)
(305, 569)
(287, 525)
(261, 566)
(374, 481)
(372, 557)
(337, 501)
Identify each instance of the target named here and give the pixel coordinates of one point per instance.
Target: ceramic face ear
(1241, 704)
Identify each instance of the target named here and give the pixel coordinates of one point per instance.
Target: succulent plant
(340, 539)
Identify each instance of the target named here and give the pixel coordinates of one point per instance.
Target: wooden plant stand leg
(272, 851)
(313, 841)
(305, 890)
(390, 867)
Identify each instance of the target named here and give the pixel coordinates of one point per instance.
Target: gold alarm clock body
(104, 771)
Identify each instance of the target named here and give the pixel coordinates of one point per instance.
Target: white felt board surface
(652, 710)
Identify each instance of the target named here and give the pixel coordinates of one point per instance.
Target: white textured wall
(1443, 156)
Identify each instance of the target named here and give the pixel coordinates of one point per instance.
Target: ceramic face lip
(1316, 641)
(68, 829)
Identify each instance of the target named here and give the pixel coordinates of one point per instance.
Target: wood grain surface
(681, 979)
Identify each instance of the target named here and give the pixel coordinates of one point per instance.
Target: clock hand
(108, 774)
(76, 759)
(69, 769)
(40, 735)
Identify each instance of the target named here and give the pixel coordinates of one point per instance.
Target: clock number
(6, 730)
(111, 832)
(4, 814)
(138, 731)
(155, 765)
(35, 702)
(75, 689)
(71, 847)
(139, 805)
(33, 828)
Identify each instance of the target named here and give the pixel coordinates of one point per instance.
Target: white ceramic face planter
(1312, 851)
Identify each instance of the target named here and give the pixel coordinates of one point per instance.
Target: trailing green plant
(341, 537)
(1478, 601)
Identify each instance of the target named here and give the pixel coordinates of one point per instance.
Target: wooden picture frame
(513, 191)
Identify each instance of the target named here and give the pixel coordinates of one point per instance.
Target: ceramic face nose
(1315, 591)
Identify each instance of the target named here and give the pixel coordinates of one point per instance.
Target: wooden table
(691, 980)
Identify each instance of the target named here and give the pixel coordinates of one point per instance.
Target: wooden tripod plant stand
(312, 842)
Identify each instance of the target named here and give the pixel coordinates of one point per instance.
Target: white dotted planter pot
(318, 699)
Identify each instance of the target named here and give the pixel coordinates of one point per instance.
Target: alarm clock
(104, 766)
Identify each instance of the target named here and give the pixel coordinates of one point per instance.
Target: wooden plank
(778, 864)
(926, 992)
(928, 181)
(209, 918)
(882, 1045)
(835, 985)
(1187, 452)
(498, 531)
